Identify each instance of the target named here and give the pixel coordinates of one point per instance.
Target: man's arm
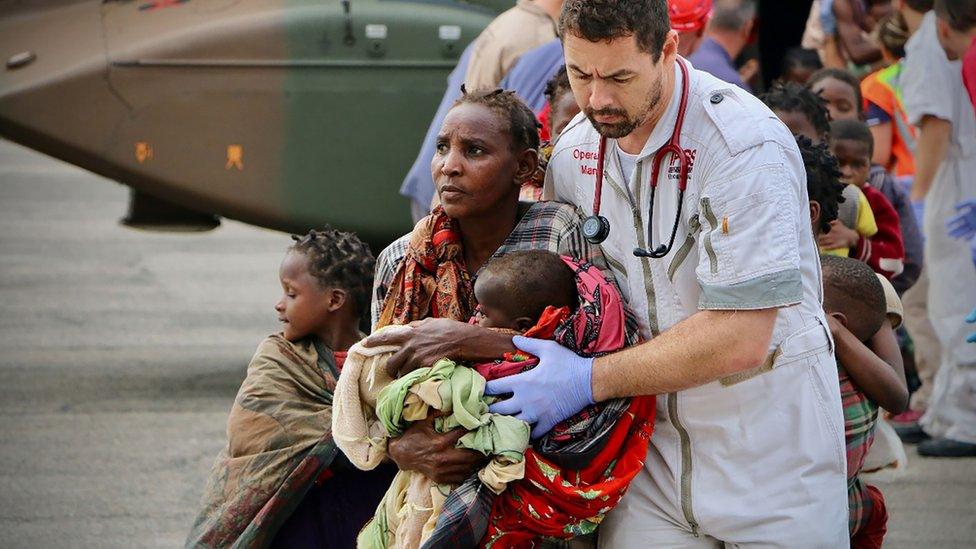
(704, 347)
(877, 370)
(930, 150)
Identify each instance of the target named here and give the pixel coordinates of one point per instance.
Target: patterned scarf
(577, 472)
(432, 280)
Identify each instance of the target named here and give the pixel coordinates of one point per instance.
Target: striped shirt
(551, 226)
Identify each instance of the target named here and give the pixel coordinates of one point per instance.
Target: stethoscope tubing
(673, 146)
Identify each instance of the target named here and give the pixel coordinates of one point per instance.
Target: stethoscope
(596, 228)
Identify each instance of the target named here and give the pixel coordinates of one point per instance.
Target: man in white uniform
(748, 448)
(933, 93)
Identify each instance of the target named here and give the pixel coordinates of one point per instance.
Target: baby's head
(803, 112)
(853, 295)
(852, 144)
(514, 289)
(326, 279)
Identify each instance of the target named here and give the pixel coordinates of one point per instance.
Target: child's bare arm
(879, 373)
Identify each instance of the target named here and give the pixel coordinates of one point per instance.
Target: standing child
(851, 143)
(855, 303)
(871, 372)
(281, 480)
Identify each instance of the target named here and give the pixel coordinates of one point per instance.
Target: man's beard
(617, 130)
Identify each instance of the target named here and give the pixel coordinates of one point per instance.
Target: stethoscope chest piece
(596, 229)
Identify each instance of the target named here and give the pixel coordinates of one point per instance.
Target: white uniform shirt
(744, 241)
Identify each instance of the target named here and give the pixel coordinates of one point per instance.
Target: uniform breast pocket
(753, 234)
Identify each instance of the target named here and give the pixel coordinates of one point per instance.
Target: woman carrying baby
(487, 147)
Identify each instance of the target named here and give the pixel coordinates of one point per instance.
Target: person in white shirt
(936, 101)
(748, 447)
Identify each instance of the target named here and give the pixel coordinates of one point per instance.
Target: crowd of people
(566, 352)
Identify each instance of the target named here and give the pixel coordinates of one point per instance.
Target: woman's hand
(840, 236)
(434, 455)
(435, 338)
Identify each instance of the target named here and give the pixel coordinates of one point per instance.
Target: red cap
(689, 15)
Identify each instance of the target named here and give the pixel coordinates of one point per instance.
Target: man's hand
(434, 455)
(558, 387)
(840, 236)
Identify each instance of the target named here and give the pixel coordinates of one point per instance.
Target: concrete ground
(121, 351)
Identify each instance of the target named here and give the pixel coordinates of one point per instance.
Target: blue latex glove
(963, 225)
(971, 319)
(558, 387)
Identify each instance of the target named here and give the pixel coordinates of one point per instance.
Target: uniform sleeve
(749, 243)
(926, 80)
(867, 226)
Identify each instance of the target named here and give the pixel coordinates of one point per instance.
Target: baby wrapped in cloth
(575, 474)
(370, 407)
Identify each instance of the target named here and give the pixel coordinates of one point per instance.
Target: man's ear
(523, 323)
(528, 163)
(336, 298)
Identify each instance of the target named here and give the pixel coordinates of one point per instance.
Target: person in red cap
(689, 18)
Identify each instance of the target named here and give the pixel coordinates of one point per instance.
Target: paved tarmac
(121, 351)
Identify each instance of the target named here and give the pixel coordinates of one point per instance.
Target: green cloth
(457, 392)
(461, 391)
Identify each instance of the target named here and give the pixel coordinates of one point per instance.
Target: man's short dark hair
(959, 14)
(603, 20)
(732, 15)
(854, 130)
(852, 288)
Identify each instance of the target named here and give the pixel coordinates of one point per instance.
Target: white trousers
(767, 466)
(952, 295)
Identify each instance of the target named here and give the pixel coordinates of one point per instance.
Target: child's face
(840, 97)
(304, 307)
(854, 160)
(799, 124)
(491, 312)
(561, 111)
